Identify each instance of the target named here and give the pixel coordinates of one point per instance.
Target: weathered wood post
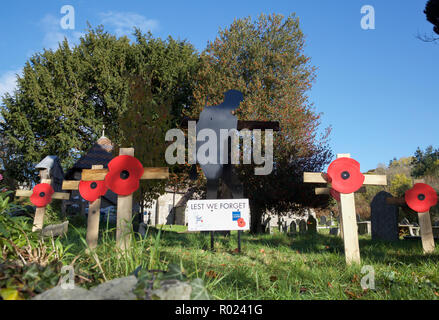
(420, 198)
(93, 212)
(41, 211)
(347, 205)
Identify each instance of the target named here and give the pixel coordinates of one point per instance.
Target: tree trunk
(256, 219)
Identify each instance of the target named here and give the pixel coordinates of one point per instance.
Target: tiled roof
(99, 154)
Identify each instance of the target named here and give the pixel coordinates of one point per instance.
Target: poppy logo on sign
(236, 215)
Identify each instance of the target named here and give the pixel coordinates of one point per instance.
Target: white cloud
(54, 34)
(123, 23)
(8, 82)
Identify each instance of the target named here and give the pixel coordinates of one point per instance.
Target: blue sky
(376, 88)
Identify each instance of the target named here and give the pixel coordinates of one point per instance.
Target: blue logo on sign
(236, 215)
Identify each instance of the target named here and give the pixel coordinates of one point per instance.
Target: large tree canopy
(64, 97)
(264, 59)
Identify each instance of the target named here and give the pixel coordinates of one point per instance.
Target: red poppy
(335, 194)
(124, 173)
(241, 223)
(92, 190)
(42, 195)
(421, 197)
(345, 175)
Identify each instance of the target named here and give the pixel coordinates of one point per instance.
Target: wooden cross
(41, 211)
(326, 191)
(93, 211)
(124, 203)
(347, 206)
(424, 219)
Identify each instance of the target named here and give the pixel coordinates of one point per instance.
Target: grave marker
(345, 176)
(124, 201)
(41, 210)
(93, 212)
(384, 218)
(420, 198)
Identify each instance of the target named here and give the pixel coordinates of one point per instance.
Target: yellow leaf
(10, 294)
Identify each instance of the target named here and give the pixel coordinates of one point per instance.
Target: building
(101, 153)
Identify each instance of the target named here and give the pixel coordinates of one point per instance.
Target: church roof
(99, 154)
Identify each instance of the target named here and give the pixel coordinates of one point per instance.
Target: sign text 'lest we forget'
(218, 215)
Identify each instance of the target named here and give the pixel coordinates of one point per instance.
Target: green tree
(426, 162)
(400, 184)
(264, 59)
(65, 96)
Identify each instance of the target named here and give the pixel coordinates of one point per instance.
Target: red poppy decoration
(241, 223)
(421, 197)
(124, 173)
(345, 175)
(335, 194)
(42, 195)
(92, 190)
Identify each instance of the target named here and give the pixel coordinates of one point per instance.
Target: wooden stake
(350, 228)
(124, 212)
(426, 232)
(94, 213)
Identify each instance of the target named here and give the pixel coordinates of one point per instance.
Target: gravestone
(55, 229)
(384, 218)
(364, 227)
(284, 227)
(302, 226)
(333, 231)
(323, 220)
(312, 225)
(293, 228)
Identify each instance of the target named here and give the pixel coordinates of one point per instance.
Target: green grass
(269, 266)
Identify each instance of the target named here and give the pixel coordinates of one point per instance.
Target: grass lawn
(269, 267)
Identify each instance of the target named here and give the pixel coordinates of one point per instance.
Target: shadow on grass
(402, 251)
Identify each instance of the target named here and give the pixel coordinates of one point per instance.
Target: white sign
(218, 215)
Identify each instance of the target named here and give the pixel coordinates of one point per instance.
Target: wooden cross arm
(321, 191)
(319, 177)
(70, 185)
(56, 195)
(396, 201)
(149, 173)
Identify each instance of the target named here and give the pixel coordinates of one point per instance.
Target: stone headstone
(333, 231)
(284, 227)
(384, 218)
(312, 225)
(293, 227)
(302, 226)
(55, 230)
(323, 220)
(364, 227)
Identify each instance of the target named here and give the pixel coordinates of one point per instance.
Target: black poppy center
(421, 196)
(93, 185)
(345, 175)
(124, 175)
(42, 194)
